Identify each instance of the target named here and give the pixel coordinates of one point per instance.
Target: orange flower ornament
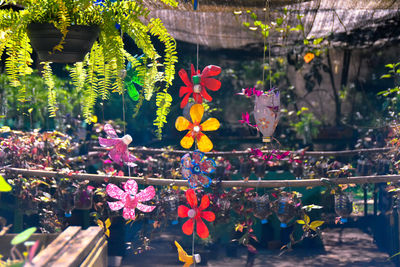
(196, 214)
(204, 143)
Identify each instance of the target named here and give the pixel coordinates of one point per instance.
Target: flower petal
(116, 205)
(186, 173)
(128, 214)
(145, 208)
(208, 215)
(201, 228)
(212, 84)
(187, 141)
(182, 123)
(115, 192)
(110, 131)
(205, 95)
(208, 166)
(186, 161)
(193, 180)
(185, 90)
(211, 70)
(115, 156)
(188, 226)
(203, 179)
(191, 198)
(108, 142)
(146, 194)
(185, 100)
(204, 143)
(183, 74)
(211, 124)
(197, 156)
(197, 98)
(131, 187)
(205, 202)
(183, 211)
(196, 113)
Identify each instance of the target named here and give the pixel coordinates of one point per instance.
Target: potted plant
(59, 24)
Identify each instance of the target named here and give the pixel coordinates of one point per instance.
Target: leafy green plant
(307, 125)
(104, 66)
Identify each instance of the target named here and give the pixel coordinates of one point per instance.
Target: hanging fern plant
(101, 72)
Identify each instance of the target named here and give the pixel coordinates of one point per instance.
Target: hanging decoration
(196, 214)
(343, 206)
(119, 147)
(285, 210)
(262, 208)
(184, 257)
(83, 197)
(196, 167)
(171, 202)
(204, 144)
(130, 199)
(266, 113)
(198, 83)
(132, 78)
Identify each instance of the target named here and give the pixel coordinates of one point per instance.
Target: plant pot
(78, 42)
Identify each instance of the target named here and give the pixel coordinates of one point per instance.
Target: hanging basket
(78, 42)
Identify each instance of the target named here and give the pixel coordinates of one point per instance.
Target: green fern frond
(49, 81)
(157, 29)
(163, 103)
(78, 75)
(90, 94)
(139, 104)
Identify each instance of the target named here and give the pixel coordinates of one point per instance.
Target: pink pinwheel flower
(119, 147)
(130, 199)
(198, 84)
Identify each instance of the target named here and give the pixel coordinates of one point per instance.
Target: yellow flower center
(196, 129)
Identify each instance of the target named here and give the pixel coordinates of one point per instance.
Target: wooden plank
(46, 255)
(78, 249)
(98, 255)
(226, 184)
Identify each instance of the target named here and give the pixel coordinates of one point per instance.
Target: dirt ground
(343, 247)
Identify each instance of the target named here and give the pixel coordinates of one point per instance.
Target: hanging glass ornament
(222, 209)
(261, 208)
(245, 168)
(343, 206)
(383, 167)
(285, 210)
(83, 197)
(65, 201)
(171, 203)
(266, 113)
(259, 169)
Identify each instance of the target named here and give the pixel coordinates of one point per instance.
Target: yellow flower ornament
(204, 143)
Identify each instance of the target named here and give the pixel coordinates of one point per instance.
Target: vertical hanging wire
(123, 92)
(264, 39)
(269, 47)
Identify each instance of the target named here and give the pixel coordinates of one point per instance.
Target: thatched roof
(351, 22)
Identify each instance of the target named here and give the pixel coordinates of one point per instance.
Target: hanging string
(264, 39)
(269, 47)
(194, 260)
(123, 74)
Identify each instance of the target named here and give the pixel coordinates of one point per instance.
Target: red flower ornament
(196, 214)
(198, 83)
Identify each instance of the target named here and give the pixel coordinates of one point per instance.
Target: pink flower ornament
(119, 147)
(130, 199)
